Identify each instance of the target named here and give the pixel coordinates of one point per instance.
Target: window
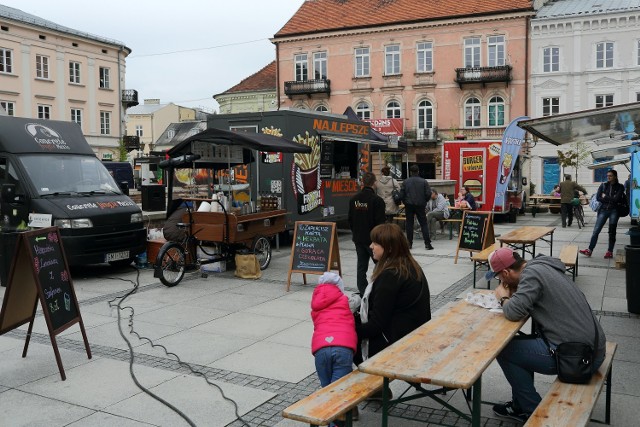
(104, 78)
(74, 72)
(362, 62)
(42, 67)
(301, 67)
(320, 65)
(424, 57)
(550, 106)
(496, 111)
(44, 111)
(393, 110)
(604, 101)
(105, 123)
(322, 109)
(472, 113)
(139, 131)
(76, 116)
(551, 59)
(495, 45)
(425, 115)
(9, 107)
(6, 64)
(604, 55)
(392, 59)
(472, 52)
(363, 111)
(637, 96)
(638, 52)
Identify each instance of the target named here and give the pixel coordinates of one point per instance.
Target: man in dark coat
(366, 210)
(568, 189)
(416, 193)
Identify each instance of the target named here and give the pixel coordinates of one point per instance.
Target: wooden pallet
(620, 259)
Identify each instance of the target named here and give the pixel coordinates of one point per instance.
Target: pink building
(445, 67)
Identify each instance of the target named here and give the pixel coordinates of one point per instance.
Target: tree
(577, 156)
(122, 151)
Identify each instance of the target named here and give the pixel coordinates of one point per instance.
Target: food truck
(313, 186)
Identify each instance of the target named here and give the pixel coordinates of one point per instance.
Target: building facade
(255, 93)
(446, 68)
(585, 54)
(53, 72)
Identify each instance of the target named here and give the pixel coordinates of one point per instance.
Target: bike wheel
(171, 264)
(262, 249)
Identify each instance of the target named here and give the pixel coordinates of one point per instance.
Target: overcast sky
(231, 37)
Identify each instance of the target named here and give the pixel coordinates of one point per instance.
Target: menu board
(314, 249)
(476, 232)
(326, 159)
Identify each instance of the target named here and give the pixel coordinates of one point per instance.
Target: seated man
(437, 209)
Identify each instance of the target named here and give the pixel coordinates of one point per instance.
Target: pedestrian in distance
(397, 299)
(415, 192)
(334, 340)
(610, 195)
(541, 289)
(568, 188)
(366, 210)
(384, 188)
(437, 209)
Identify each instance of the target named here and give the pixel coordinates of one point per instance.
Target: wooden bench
(621, 259)
(482, 258)
(569, 256)
(451, 221)
(572, 404)
(338, 398)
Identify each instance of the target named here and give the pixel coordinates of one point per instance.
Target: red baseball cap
(499, 260)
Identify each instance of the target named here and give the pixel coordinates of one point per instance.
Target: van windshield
(68, 174)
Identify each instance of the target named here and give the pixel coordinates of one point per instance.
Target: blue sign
(512, 140)
(634, 187)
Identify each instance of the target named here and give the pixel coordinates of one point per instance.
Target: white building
(585, 54)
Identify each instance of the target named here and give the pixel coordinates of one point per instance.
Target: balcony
(419, 134)
(483, 75)
(129, 98)
(131, 142)
(307, 87)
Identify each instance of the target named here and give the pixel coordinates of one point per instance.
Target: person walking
(366, 210)
(437, 209)
(610, 195)
(539, 288)
(384, 188)
(415, 192)
(568, 189)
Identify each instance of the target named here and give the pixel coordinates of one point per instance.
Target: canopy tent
(600, 125)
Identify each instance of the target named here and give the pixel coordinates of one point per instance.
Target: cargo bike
(228, 229)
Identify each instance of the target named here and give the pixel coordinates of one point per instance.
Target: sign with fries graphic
(305, 174)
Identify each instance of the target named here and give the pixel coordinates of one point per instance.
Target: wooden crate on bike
(212, 226)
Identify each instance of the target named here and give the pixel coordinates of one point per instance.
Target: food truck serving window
(338, 159)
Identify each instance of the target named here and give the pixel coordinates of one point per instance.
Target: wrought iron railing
(483, 75)
(307, 87)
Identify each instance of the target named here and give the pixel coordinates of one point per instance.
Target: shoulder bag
(623, 206)
(395, 193)
(594, 204)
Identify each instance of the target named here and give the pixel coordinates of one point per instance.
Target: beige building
(53, 72)
(255, 93)
(150, 120)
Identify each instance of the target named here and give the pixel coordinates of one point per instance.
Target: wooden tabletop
(452, 350)
(526, 234)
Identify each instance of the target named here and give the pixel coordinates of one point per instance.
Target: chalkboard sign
(314, 249)
(326, 159)
(39, 271)
(476, 232)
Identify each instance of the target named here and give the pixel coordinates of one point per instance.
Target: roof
(145, 109)
(349, 14)
(27, 18)
(575, 8)
(180, 131)
(265, 79)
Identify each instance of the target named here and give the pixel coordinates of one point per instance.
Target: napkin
(483, 300)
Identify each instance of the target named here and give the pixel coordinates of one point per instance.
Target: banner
(634, 197)
(512, 140)
(388, 126)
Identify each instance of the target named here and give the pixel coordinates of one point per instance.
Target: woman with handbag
(385, 188)
(613, 202)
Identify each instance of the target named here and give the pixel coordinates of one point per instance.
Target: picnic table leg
(476, 403)
(607, 411)
(474, 274)
(385, 402)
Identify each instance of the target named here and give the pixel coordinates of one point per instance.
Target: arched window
(496, 111)
(322, 108)
(393, 110)
(472, 113)
(425, 115)
(363, 111)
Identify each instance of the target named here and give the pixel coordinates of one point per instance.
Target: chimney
(153, 101)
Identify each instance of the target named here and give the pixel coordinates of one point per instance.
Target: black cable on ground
(119, 306)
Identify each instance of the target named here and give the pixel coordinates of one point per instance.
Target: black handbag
(395, 194)
(623, 207)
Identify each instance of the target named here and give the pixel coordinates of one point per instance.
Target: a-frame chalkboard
(314, 249)
(39, 271)
(476, 232)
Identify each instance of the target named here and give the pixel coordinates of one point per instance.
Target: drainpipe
(120, 115)
(277, 77)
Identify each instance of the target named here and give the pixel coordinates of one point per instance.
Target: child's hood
(325, 295)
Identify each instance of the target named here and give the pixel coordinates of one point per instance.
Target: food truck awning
(609, 163)
(601, 125)
(607, 153)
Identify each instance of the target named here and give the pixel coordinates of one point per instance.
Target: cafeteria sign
(387, 126)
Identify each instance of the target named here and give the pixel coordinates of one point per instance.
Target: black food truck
(313, 186)
(50, 176)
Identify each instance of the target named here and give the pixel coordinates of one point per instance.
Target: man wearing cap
(538, 288)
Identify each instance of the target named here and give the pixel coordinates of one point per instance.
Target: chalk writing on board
(312, 245)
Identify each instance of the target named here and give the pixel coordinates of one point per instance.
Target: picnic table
(544, 200)
(525, 238)
(452, 351)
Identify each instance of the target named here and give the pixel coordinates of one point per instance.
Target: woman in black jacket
(397, 300)
(610, 194)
